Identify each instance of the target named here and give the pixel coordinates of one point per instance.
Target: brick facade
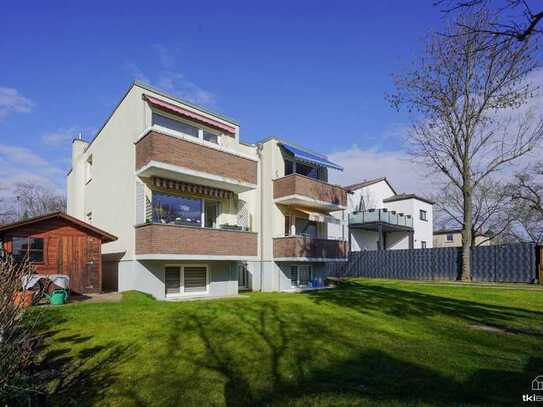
(296, 184)
(177, 239)
(155, 146)
(299, 246)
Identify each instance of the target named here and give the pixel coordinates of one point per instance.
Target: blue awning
(312, 158)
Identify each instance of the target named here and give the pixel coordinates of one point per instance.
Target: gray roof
(365, 183)
(401, 197)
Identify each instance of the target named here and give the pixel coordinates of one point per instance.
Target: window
(194, 279)
(185, 279)
(176, 125)
(306, 227)
(292, 167)
(450, 238)
(22, 246)
(287, 225)
(211, 214)
(300, 276)
(88, 169)
(89, 217)
(306, 170)
(172, 209)
(423, 244)
(289, 167)
(423, 215)
(211, 137)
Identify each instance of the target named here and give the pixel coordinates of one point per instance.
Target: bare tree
(16, 330)
(492, 213)
(527, 196)
(465, 95)
(36, 200)
(513, 18)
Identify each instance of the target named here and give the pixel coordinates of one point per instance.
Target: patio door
(173, 280)
(243, 277)
(300, 276)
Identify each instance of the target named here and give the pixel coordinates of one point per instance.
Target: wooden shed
(59, 244)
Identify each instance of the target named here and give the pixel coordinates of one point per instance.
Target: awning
(319, 217)
(312, 158)
(189, 114)
(192, 188)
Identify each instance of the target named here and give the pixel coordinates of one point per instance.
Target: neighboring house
(59, 244)
(197, 211)
(453, 238)
(378, 218)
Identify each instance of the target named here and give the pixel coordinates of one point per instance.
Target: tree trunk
(465, 273)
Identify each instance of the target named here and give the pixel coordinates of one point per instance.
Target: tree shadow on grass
(269, 354)
(67, 377)
(366, 298)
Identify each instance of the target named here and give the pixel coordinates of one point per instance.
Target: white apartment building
(198, 212)
(378, 218)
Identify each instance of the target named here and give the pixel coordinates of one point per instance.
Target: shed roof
(104, 236)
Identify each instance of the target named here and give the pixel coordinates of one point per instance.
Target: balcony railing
(320, 192)
(160, 239)
(306, 247)
(381, 215)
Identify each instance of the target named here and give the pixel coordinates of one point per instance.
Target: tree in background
(466, 95)
(513, 18)
(527, 197)
(492, 210)
(27, 200)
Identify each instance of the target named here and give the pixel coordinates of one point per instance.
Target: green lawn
(368, 342)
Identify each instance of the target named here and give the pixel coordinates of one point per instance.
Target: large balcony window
(172, 124)
(306, 227)
(185, 128)
(180, 210)
(296, 167)
(170, 209)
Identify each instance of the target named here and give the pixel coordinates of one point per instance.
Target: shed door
(79, 258)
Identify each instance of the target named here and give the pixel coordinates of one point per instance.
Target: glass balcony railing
(381, 215)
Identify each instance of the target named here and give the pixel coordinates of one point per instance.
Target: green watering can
(57, 297)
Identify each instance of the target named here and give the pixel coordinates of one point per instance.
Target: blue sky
(313, 72)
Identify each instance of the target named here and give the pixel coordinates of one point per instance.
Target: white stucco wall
(148, 277)
(423, 229)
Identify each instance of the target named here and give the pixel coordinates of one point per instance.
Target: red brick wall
(175, 239)
(300, 185)
(297, 246)
(159, 147)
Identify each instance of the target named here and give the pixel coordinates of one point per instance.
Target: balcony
(299, 190)
(170, 242)
(173, 157)
(305, 248)
(389, 219)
